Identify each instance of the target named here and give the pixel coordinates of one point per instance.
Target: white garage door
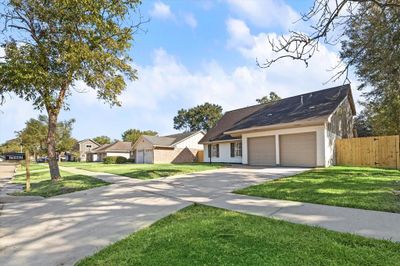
(148, 156)
(261, 151)
(298, 149)
(139, 156)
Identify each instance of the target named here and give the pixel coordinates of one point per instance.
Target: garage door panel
(298, 149)
(261, 151)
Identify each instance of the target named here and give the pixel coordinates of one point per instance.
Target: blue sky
(192, 52)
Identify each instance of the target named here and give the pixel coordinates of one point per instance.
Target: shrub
(121, 159)
(114, 159)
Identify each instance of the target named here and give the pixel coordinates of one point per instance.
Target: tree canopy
(368, 31)
(200, 117)
(102, 140)
(272, 97)
(133, 135)
(372, 47)
(50, 45)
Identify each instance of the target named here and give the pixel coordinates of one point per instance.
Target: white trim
(220, 141)
(277, 150)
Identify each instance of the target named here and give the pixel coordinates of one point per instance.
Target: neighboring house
(296, 131)
(118, 148)
(84, 147)
(177, 148)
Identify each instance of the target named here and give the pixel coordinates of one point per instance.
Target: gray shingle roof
(168, 140)
(308, 106)
(118, 146)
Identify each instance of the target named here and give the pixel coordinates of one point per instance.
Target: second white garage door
(261, 151)
(298, 149)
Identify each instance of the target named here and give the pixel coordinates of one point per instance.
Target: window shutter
(209, 150)
(217, 150)
(232, 149)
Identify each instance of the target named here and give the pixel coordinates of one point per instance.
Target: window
(236, 149)
(215, 150)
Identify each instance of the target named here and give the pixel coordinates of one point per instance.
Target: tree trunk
(51, 147)
(28, 173)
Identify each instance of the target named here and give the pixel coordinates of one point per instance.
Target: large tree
(370, 36)
(132, 135)
(373, 48)
(50, 45)
(272, 97)
(200, 117)
(102, 140)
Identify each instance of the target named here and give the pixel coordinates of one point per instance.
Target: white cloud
(190, 20)
(161, 11)
(265, 13)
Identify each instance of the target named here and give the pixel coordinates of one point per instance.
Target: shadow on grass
(67, 184)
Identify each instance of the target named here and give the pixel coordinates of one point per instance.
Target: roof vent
(301, 100)
(269, 114)
(312, 107)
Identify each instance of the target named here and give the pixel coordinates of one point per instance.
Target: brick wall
(165, 155)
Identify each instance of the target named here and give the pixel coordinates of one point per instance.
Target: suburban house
(177, 148)
(83, 147)
(295, 131)
(117, 148)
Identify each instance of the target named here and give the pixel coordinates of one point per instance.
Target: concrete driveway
(64, 229)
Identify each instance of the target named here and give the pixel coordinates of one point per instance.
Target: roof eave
(299, 123)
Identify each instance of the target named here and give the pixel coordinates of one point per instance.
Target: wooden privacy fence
(381, 152)
(200, 156)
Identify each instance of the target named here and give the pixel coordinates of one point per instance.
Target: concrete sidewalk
(375, 224)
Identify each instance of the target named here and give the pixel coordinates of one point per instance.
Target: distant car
(42, 160)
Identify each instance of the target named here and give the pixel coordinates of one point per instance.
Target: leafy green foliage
(50, 45)
(33, 136)
(363, 188)
(12, 145)
(372, 47)
(363, 125)
(133, 135)
(200, 117)
(272, 97)
(115, 160)
(102, 140)
(201, 235)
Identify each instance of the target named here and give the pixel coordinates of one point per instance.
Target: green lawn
(356, 187)
(41, 185)
(33, 166)
(200, 235)
(144, 171)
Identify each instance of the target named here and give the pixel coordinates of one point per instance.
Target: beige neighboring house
(295, 131)
(177, 148)
(84, 147)
(118, 148)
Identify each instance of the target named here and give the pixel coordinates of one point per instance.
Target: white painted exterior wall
(123, 154)
(224, 154)
(192, 142)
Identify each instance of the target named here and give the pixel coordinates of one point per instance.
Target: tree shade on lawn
(145, 171)
(355, 187)
(200, 235)
(41, 185)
